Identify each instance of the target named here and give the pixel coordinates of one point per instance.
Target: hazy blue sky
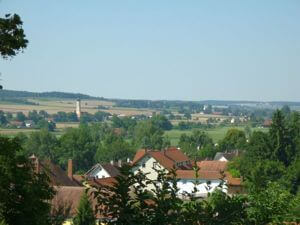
(159, 49)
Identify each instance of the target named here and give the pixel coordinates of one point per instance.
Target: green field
(216, 133)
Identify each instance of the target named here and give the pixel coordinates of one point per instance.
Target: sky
(171, 49)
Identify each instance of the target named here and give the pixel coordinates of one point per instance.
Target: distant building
(212, 175)
(57, 176)
(149, 161)
(226, 156)
(78, 108)
(29, 123)
(267, 123)
(103, 170)
(17, 124)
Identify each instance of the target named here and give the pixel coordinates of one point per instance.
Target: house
(226, 156)
(104, 170)
(233, 120)
(212, 165)
(67, 197)
(29, 123)
(57, 176)
(149, 161)
(210, 175)
(234, 185)
(267, 123)
(204, 181)
(17, 124)
(109, 181)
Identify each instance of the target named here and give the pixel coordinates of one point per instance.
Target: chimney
(112, 162)
(119, 163)
(70, 169)
(128, 160)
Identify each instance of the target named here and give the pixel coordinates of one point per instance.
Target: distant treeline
(26, 94)
(152, 104)
(196, 105)
(159, 104)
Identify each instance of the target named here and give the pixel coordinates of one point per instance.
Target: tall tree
(150, 136)
(284, 150)
(43, 144)
(21, 116)
(24, 194)
(85, 214)
(78, 144)
(113, 147)
(162, 122)
(234, 139)
(198, 145)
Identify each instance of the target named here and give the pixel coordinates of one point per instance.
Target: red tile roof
(79, 178)
(212, 165)
(57, 176)
(162, 159)
(109, 181)
(191, 174)
(232, 181)
(70, 196)
(167, 158)
(176, 155)
(139, 155)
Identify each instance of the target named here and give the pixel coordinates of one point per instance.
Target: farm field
(52, 106)
(215, 133)
(61, 126)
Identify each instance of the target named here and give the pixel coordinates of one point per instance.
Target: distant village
(211, 175)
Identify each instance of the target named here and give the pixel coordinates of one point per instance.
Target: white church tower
(78, 108)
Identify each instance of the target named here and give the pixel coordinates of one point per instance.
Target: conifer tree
(85, 214)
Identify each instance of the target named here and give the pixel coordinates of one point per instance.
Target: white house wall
(184, 185)
(187, 186)
(148, 169)
(100, 173)
(223, 159)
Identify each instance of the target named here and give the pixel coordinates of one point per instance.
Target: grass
(215, 133)
(14, 132)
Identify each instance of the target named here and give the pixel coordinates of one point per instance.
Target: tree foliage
(197, 146)
(234, 139)
(128, 202)
(12, 37)
(24, 194)
(113, 147)
(274, 156)
(85, 214)
(78, 144)
(43, 144)
(149, 135)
